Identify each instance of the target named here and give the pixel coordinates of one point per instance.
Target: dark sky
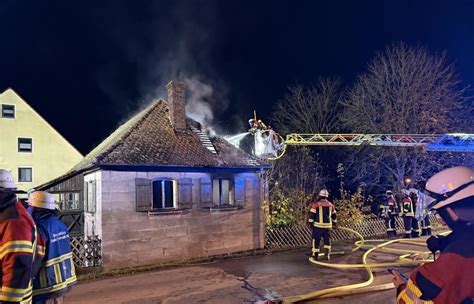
(87, 66)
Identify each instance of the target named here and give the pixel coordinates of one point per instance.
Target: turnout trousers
(390, 225)
(415, 228)
(407, 222)
(318, 234)
(426, 225)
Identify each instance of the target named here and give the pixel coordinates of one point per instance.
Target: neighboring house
(160, 189)
(29, 147)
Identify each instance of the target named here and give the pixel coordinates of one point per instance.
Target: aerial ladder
(270, 145)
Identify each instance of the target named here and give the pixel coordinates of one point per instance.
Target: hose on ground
(364, 286)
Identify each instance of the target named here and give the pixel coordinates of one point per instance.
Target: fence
(86, 251)
(300, 236)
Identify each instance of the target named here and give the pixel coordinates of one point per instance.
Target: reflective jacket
(392, 205)
(449, 279)
(17, 243)
(389, 207)
(408, 207)
(54, 262)
(322, 214)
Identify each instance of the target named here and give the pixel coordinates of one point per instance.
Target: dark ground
(242, 280)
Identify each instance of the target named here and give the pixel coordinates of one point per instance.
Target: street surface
(243, 280)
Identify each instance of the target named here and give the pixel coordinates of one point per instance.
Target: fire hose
(363, 287)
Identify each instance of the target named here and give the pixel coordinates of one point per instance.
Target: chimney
(176, 104)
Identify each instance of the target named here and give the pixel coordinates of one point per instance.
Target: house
(30, 147)
(160, 189)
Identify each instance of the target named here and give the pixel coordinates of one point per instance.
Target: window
(25, 175)
(163, 194)
(67, 200)
(8, 111)
(222, 194)
(25, 145)
(90, 196)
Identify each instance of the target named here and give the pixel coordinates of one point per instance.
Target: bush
(287, 209)
(349, 208)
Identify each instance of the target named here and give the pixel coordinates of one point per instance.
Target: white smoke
(198, 97)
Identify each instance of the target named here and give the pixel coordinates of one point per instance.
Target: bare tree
(405, 90)
(314, 109)
(293, 181)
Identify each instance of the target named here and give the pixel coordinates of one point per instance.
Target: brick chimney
(176, 104)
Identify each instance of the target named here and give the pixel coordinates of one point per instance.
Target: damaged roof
(149, 139)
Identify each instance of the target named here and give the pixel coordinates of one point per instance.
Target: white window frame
(163, 196)
(24, 167)
(18, 144)
(90, 196)
(14, 111)
(217, 192)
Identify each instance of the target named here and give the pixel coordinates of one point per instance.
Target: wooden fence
(86, 251)
(300, 236)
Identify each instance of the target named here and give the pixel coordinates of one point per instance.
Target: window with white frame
(90, 196)
(25, 175)
(25, 144)
(8, 111)
(222, 192)
(164, 194)
(67, 200)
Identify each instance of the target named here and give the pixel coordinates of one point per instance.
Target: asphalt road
(243, 280)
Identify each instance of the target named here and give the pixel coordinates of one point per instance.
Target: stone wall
(132, 238)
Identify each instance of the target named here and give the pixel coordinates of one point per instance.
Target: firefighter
(415, 225)
(408, 212)
(449, 278)
(17, 244)
(54, 268)
(389, 214)
(426, 225)
(322, 215)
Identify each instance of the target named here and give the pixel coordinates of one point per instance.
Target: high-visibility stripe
(16, 246)
(323, 225)
(320, 210)
(57, 260)
(57, 272)
(73, 270)
(7, 244)
(9, 294)
(42, 277)
(411, 294)
(312, 210)
(55, 287)
(327, 246)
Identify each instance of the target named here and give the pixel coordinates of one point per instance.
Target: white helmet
(6, 180)
(388, 192)
(42, 199)
(324, 193)
(449, 186)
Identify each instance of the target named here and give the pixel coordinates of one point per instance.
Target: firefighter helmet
(6, 180)
(450, 186)
(388, 192)
(324, 193)
(42, 199)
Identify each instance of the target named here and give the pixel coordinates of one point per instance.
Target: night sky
(87, 66)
